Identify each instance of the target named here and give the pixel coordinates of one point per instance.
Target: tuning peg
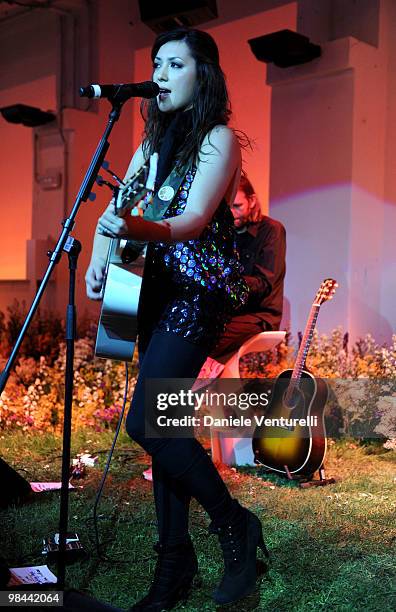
(106, 167)
(101, 181)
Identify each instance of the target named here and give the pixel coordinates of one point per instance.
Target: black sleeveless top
(192, 288)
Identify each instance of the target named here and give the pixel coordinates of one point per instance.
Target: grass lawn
(332, 548)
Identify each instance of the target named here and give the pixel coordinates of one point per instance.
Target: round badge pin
(166, 193)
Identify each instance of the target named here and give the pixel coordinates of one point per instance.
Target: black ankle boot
(239, 538)
(173, 577)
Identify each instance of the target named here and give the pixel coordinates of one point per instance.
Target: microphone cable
(107, 467)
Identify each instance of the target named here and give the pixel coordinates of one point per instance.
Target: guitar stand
(307, 482)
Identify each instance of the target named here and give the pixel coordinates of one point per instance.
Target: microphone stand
(72, 247)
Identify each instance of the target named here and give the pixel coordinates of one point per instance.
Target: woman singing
(191, 285)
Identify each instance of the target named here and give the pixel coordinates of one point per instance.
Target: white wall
(329, 161)
(325, 132)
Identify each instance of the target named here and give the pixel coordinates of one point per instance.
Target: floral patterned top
(192, 288)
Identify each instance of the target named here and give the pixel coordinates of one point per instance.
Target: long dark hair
(211, 104)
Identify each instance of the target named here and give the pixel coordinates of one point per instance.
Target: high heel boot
(174, 574)
(239, 537)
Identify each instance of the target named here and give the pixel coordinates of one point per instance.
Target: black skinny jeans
(181, 467)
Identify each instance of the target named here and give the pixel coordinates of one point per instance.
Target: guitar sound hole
(293, 401)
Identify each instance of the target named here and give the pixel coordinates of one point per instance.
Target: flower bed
(34, 395)
(362, 379)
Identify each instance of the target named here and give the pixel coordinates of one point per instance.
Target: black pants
(181, 466)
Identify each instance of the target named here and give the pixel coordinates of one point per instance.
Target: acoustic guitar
(117, 327)
(294, 439)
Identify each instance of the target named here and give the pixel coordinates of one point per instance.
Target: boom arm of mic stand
(68, 225)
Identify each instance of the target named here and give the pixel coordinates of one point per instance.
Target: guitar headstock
(138, 186)
(326, 291)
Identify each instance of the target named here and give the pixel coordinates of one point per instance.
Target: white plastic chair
(238, 451)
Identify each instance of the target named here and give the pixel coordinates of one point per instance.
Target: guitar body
(301, 448)
(117, 327)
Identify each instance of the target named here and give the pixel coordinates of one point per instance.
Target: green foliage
(34, 396)
(43, 337)
(361, 379)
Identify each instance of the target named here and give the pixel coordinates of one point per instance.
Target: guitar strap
(164, 197)
(156, 210)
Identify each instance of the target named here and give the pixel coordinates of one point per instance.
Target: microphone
(119, 91)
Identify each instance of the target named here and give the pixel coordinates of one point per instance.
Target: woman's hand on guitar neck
(94, 278)
(134, 227)
(110, 224)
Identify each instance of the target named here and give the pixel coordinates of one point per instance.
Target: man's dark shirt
(262, 250)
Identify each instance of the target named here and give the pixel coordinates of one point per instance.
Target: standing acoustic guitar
(285, 446)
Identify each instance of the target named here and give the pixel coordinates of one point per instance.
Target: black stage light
(284, 48)
(5, 574)
(14, 488)
(163, 16)
(27, 115)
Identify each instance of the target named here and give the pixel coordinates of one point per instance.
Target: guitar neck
(116, 247)
(303, 351)
(326, 292)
